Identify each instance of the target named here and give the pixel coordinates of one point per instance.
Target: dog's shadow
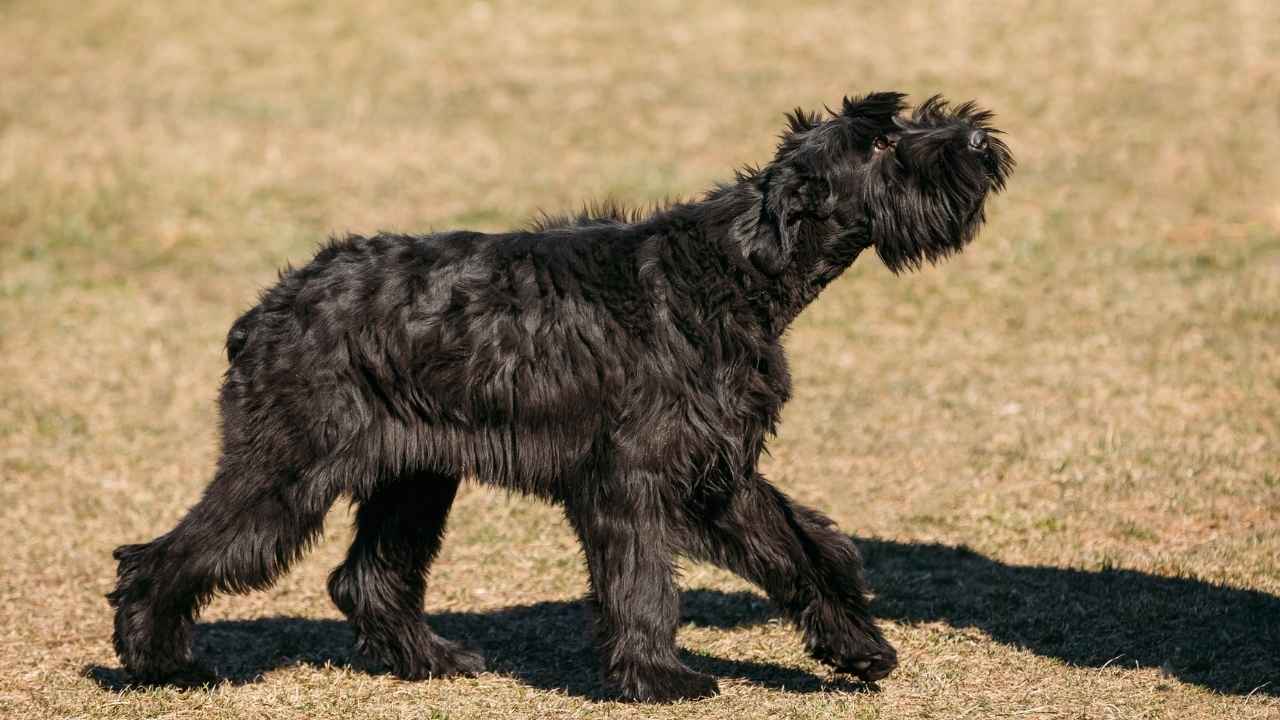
(1221, 638)
(545, 645)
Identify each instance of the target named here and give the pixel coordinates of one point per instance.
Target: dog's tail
(241, 331)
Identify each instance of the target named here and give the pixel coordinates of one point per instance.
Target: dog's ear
(788, 194)
(874, 105)
(872, 114)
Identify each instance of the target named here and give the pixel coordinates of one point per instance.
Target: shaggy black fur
(629, 368)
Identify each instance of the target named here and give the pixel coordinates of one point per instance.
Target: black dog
(627, 367)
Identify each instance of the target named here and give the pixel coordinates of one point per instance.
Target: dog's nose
(978, 140)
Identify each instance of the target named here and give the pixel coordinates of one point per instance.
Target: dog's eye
(881, 143)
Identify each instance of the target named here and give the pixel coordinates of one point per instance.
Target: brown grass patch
(1088, 399)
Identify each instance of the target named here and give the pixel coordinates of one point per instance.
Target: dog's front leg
(810, 569)
(626, 538)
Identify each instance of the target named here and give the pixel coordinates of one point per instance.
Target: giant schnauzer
(626, 366)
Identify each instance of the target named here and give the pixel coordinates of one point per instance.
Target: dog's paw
(456, 659)
(418, 654)
(869, 668)
(660, 684)
(186, 675)
(441, 658)
(866, 657)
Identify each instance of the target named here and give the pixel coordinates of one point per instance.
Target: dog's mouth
(997, 161)
(996, 169)
(975, 215)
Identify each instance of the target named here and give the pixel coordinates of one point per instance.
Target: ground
(1060, 452)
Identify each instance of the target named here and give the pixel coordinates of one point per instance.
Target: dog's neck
(821, 251)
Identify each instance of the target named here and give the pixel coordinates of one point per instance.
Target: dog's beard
(909, 226)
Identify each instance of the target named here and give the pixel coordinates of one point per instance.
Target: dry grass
(1089, 399)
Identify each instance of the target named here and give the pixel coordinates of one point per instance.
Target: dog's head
(911, 185)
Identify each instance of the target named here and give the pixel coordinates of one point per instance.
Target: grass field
(1060, 452)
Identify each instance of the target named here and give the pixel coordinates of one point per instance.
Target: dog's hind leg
(380, 586)
(634, 595)
(250, 524)
(807, 566)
